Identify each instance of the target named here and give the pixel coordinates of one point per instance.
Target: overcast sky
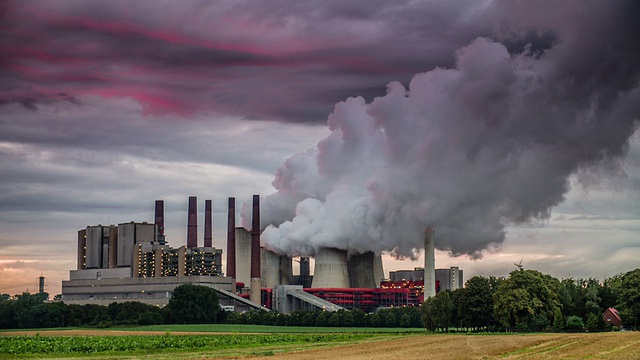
(107, 106)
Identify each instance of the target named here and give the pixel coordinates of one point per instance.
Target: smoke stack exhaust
(231, 239)
(255, 252)
(429, 264)
(192, 223)
(208, 231)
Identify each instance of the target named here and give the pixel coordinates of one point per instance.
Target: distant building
(446, 279)
(612, 317)
(133, 262)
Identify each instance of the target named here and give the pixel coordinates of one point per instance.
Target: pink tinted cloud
(154, 102)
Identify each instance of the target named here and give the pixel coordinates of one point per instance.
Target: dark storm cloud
(272, 60)
(472, 148)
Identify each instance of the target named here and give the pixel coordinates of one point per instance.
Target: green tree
(592, 298)
(193, 304)
(558, 320)
(347, 319)
(359, 317)
(8, 314)
(595, 322)
(405, 321)
(26, 317)
(390, 319)
(321, 319)
(375, 320)
(571, 297)
(525, 294)
(609, 292)
(309, 319)
(57, 315)
(629, 299)
(334, 320)
(574, 323)
(437, 311)
(475, 304)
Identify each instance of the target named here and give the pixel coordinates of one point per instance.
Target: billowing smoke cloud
(469, 149)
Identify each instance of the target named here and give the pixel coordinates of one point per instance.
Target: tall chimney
(192, 223)
(231, 239)
(429, 264)
(159, 220)
(255, 252)
(208, 232)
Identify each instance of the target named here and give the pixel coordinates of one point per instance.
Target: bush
(574, 323)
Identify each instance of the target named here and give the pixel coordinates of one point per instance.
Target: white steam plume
(465, 150)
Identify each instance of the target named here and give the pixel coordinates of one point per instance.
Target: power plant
(133, 262)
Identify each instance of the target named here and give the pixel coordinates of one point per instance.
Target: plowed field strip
(625, 346)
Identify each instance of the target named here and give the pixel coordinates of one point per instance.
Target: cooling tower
(305, 274)
(331, 269)
(208, 231)
(276, 269)
(429, 264)
(360, 267)
(113, 246)
(255, 252)
(378, 269)
(192, 223)
(243, 256)
(231, 239)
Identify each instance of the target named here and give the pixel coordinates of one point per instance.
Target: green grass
(235, 328)
(65, 346)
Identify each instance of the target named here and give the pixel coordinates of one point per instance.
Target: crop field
(148, 343)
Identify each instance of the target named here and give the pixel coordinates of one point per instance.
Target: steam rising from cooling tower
(469, 149)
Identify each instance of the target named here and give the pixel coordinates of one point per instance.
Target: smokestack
(331, 269)
(429, 264)
(160, 216)
(208, 233)
(159, 221)
(231, 239)
(192, 223)
(255, 252)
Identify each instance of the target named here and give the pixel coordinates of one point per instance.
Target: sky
(510, 127)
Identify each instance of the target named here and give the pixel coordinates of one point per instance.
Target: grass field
(233, 328)
(166, 342)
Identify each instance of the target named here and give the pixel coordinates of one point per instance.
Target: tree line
(406, 317)
(528, 300)
(189, 304)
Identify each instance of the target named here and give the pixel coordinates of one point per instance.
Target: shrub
(574, 323)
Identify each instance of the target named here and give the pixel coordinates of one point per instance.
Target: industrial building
(446, 279)
(133, 261)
